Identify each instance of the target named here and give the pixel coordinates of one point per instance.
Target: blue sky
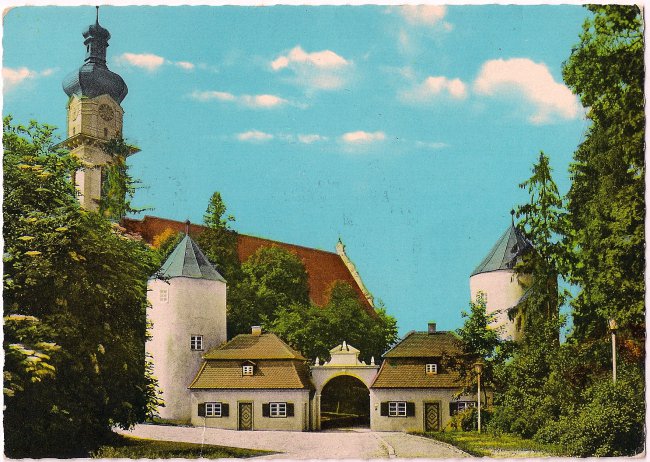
(403, 130)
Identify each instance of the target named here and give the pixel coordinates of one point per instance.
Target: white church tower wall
(188, 316)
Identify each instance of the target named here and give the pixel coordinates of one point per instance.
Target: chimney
(256, 330)
(432, 328)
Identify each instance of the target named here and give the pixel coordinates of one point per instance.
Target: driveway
(333, 444)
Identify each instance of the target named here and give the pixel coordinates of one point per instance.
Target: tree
(219, 241)
(118, 187)
(314, 330)
(75, 303)
(606, 201)
(165, 242)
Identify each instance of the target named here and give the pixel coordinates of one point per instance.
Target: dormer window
(247, 369)
(432, 368)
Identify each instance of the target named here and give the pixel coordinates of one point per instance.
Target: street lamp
(478, 367)
(612, 327)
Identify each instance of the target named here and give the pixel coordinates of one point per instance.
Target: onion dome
(94, 78)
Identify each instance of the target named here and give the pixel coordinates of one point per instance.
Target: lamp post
(613, 325)
(478, 367)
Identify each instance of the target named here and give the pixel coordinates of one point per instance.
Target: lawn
(128, 447)
(488, 445)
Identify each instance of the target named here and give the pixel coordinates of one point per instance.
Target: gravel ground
(333, 444)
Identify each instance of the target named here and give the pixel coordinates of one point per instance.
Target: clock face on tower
(105, 112)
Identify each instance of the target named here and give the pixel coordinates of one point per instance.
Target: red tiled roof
(323, 268)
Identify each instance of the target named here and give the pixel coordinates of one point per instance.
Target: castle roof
(188, 261)
(252, 347)
(323, 268)
(503, 255)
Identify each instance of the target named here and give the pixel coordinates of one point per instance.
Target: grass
(128, 447)
(489, 445)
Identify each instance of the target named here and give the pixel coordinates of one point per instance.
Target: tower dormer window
(196, 342)
(431, 368)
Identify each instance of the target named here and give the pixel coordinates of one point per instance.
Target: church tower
(94, 114)
(495, 276)
(188, 316)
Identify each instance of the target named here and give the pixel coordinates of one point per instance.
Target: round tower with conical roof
(95, 114)
(188, 316)
(504, 288)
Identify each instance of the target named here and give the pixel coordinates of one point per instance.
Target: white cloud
(323, 70)
(428, 15)
(188, 66)
(534, 82)
(254, 136)
(147, 61)
(361, 137)
(432, 88)
(252, 101)
(12, 78)
(435, 145)
(311, 138)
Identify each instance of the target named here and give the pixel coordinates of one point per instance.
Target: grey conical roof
(504, 254)
(188, 261)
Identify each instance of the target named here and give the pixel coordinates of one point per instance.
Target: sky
(403, 131)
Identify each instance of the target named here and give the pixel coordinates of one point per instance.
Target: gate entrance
(345, 402)
(342, 389)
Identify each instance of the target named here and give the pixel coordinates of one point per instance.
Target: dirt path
(339, 444)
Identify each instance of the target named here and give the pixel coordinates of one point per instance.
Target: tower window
(432, 368)
(74, 130)
(164, 295)
(196, 342)
(105, 132)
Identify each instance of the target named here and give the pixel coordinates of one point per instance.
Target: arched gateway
(343, 370)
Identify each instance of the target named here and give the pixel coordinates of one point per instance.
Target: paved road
(333, 444)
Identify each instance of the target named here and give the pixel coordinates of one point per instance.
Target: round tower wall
(503, 289)
(182, 308)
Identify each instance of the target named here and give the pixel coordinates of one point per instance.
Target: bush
(609, 423)
(467, 420)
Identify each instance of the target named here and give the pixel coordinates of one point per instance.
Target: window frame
(213, 409)
(397, 409)
(196, 342)
(278, 410)
(431, 368)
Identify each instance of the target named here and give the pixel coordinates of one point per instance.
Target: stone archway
(345, 402)
(344, 362)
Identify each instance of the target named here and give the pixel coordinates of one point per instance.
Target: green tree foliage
(219, 240)
(74, 302)
(479, 340)
(271, 278)
(606, 200)
(314, 330)
(118, 187)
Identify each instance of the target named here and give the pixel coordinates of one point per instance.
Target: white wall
(194, 307)
(299, 398)
(503, 289)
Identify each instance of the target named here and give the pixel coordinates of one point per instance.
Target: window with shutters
(213, 409)
(196, 342)
(432, 368)
(277, 409)
(397, 408)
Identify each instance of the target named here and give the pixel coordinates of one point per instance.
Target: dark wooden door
(245, 416)
(431, 417)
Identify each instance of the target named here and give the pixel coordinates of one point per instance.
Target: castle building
(95, 115)
(495, 276)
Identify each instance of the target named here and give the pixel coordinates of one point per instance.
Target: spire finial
(97, 15)
(512, 216)
(187, 227)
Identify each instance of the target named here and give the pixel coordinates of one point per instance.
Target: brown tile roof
(410, 373)
(323, 268)
(274, 374)
(252, 347)
(425, 345)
